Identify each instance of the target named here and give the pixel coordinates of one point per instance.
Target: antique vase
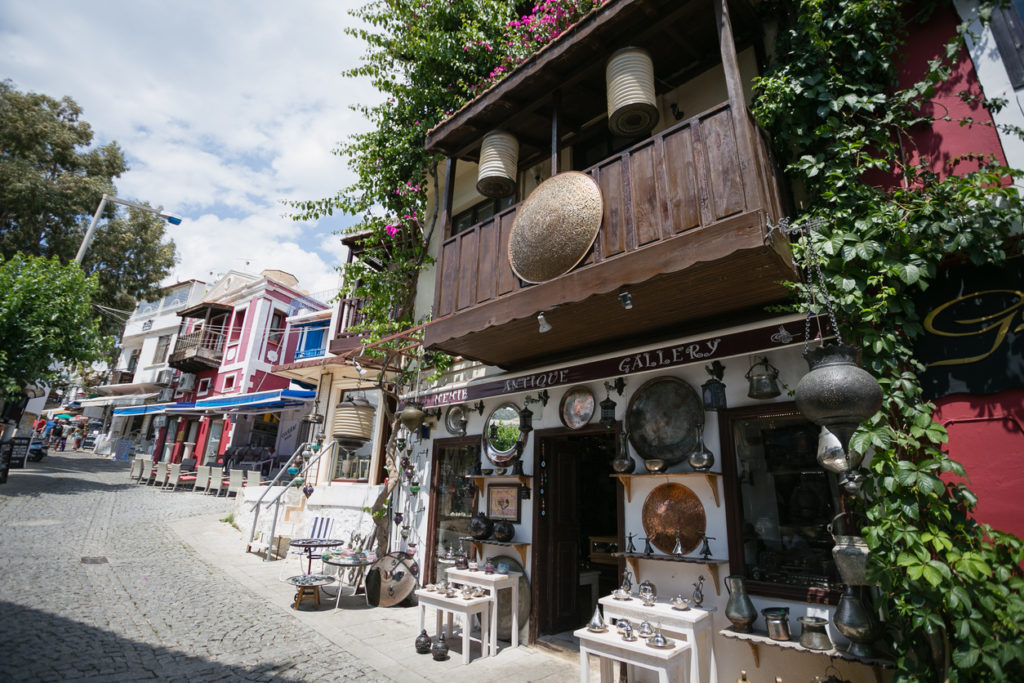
(739, 609)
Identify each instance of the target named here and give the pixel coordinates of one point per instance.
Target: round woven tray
(555, 227)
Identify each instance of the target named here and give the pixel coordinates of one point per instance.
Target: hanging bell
(763, 382)
(677, 549)
(597, 621)
(412, 416)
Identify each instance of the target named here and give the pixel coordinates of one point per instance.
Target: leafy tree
(46, 321)
(950, 587)
(428, 58)
(50, 186)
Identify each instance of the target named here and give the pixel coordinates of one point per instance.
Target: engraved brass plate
(672, 508)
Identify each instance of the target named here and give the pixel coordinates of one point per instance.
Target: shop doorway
(453, 501)
(580, 528)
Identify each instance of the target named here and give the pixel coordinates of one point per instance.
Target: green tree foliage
(46, 317)
(50, 185)
(950, 587)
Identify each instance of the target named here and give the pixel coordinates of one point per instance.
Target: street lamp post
(87, 240)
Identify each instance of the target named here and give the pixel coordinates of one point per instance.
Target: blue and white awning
(157, 409)
(258, 402)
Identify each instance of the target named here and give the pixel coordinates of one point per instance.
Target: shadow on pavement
(39, 645)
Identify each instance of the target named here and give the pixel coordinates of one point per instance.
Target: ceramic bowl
(654, 465)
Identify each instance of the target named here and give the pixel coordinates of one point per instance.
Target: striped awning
(180, 408)
(257, 402)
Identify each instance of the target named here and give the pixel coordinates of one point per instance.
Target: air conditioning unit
(187, 382)
(165, 396)
(165, 377)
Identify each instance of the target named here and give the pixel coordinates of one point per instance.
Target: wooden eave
(200, 309)
(679, 286)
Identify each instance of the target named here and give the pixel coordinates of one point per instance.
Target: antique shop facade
(604, 266)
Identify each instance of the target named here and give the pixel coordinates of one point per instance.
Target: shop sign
(685, 353)
(973, 339)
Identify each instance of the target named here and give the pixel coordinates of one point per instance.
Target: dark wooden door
(559, 611)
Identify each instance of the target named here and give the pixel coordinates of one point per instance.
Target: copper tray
(662, 419)
(672, 508)
(390, 580)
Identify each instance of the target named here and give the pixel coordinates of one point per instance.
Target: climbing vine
(950, 587)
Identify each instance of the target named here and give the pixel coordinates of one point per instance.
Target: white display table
(493, 583)
(609, 647)
(694, 625)
(457, 605)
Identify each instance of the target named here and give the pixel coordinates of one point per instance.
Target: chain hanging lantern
(836, 393)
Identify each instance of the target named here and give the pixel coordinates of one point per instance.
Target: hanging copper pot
(837, 393)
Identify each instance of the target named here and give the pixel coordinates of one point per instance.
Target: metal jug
(851, 556)
(763, 382)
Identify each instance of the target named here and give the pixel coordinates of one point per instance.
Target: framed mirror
(501, 433)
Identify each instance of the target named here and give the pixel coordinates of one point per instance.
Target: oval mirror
(501, 433)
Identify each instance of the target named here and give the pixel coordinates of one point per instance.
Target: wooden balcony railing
(197, 350)
(682, 180)
(350, 320)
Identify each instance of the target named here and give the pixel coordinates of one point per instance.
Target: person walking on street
(57, 436)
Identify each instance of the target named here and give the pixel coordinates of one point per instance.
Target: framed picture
(503, 502)
(577, 407)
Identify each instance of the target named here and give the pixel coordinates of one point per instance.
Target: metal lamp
(525, 420)
(713, 391)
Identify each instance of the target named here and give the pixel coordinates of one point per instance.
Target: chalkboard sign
(15, 450)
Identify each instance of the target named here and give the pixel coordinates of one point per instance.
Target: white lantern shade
(499, 159)
(629, 78)
(353, 420)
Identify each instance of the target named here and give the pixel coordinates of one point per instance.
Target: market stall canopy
(129, 400)
(135, 389)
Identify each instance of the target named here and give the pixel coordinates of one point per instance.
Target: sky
(224, 110)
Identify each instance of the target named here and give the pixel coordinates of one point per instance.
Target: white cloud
(223, 110)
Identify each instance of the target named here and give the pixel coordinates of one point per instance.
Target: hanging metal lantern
(607, 412)
(763, 382)
(412, 416)
(525, 420)
(833, 457)
(837, 393)
(713, 391)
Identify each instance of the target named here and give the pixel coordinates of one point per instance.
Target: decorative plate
(555, 227)
(577, 407)
(452, 418)
(662, 419)
(670, 509)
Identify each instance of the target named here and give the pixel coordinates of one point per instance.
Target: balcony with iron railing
(197, 351)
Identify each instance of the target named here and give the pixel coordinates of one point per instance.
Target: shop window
(478, 213)
(780, 503)
(453, 502)
(163, 345)
(356, 465)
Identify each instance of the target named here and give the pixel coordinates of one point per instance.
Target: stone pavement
(104, 579)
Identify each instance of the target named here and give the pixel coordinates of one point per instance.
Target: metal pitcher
(851, 556)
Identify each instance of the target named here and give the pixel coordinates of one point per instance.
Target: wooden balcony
(348, 334)
(197, 351)
(685, 231)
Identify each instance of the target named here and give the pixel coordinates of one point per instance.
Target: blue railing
(314, 352)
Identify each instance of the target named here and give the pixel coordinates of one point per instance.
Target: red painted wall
(986, 435)
(943, 142)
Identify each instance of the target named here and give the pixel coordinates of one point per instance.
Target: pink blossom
(391, 230)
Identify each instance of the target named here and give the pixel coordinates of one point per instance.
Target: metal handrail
(277, 499)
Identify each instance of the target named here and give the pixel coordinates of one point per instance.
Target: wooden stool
(308, 586)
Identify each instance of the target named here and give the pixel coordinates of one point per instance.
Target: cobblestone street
(96, 586)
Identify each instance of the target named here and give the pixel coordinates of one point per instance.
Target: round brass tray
(555, 227)
(672, 508)
(662, 418)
